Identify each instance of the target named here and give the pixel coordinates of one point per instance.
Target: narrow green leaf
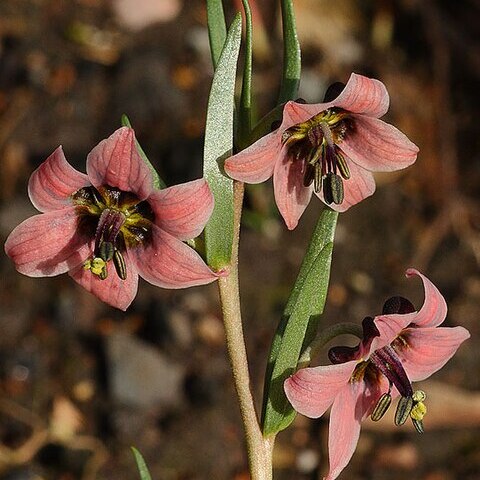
(217, 28)
(141, 465)
(299, 324)
(157, 181)
(324, 233)
(218, 147)
(292, 62)
(244, 122)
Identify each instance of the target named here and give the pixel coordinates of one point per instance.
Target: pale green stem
(259, 449)
(324, 337)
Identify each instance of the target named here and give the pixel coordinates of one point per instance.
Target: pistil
(315, 143)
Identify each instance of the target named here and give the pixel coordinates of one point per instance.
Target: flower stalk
(259, 449)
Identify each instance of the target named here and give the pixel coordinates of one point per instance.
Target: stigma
(315, 142)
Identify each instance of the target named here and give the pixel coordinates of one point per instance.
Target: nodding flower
(110, 226)
(329, 149)
(399, 347)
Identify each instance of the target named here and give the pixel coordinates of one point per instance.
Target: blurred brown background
(80, 382)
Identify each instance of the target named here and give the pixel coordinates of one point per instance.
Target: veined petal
(429, 349)
(378, 146)
(53, 182)
(167, 262)
(183, 210)
(389, 327)
(363, 95)
(312, 390)
(116, 162)
(344, 429)
(48, 244)
(291, 195)
(359, 186)
(113, 290)
(434, 309)
(255, 164)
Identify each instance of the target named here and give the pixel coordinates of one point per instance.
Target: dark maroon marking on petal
(342, 354)
(396, 305)
(333, 91)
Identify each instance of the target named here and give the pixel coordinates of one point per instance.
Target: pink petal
(378, 146)
(113, 290)
(344, 429)
(167, 262)
(115, 161)
(434, 309)
(312, 390)
(53, 182)
(183, 210)
(363, 95)
(429, 349)
(359, 186)
(255, 164)
(48, 244)
(290, 195)
(389, 327)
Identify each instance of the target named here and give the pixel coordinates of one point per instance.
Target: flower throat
(315, 142)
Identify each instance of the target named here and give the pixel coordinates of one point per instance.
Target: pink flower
(399, 347)
(329, 148)
(110, 226)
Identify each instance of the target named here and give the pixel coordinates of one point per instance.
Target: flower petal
(364, 95)
(434, 309)
(255, 164)
(378, 146)
(291, 195)
(183, 210)
(167, 262)
(116, 162)
(312, 390)
(53, 182)
(48, 244)
(344, 428)
(429, 349)
(359, 186)
(113, 290)
(361, 95)
(389, 327)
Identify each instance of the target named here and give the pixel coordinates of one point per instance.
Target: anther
(333, 189)
(120, 266)
(106, 251)
(381, 407)
(404, 407)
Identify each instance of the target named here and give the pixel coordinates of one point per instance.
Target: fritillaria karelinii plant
(399, 347)
(111, 225)
(328, 148)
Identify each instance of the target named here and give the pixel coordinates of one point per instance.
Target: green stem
(259, 449)
(324, 337)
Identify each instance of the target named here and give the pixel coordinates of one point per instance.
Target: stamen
(381, 407)
(120, 265)
(106, 251)
(404, 407)
(333, 189)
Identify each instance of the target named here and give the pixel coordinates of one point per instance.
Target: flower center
(116, 220)
(315, 142)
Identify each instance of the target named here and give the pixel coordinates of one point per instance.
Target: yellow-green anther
(381, 407)
(342, 165)
(120, 266)
(404, 408)
(418, 424)
(315, 155)
(317, 185)
(106, 251)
